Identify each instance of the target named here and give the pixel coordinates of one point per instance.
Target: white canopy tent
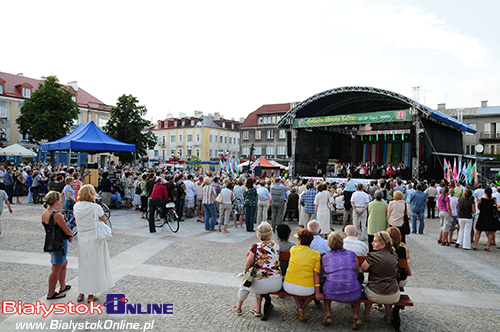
(17, 150)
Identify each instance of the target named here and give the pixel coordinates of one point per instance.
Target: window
(223, 125)
(258, 150)
(4, 109)
(189, 138)
(258, 134)
(260, 120)
(215, 137)
(225, 140)
(192, 123)
(264, 120)
(246, 135)
(102, 121)
(163, 154)
(180, 153)
(211, 139)
(156, 153)
(183, 123)
(274, 119)
(172, 138)
(172, 153)
(245, 151)
(220, 139)
(282, 134)
(281, 150)
(189, 152)
(232, 126)
(197, 137)
(269, 150)
(26, 93)
(198, 153)
(1, 88)
(270, 134)
(175, 123)
(163, 140)
(180, 138)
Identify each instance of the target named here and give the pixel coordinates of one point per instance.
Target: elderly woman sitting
(268, 278)
(302, 276)
(382, 266)
(341, 270)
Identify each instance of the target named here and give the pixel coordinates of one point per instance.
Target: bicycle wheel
(107, 214)
(172, 221)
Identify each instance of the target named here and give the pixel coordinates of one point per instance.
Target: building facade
(260, 129)
(16, 89)
(206, 137)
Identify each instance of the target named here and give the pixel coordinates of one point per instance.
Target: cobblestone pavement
(194, 270)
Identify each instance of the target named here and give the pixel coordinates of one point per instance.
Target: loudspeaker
(92, 166)
(289, 143)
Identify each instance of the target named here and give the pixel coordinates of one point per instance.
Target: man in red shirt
(156, 201)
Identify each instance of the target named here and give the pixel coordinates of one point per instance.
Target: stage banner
(350, 119)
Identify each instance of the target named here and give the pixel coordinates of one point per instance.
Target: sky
(233, 56)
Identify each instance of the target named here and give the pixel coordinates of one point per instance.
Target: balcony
(489, 136)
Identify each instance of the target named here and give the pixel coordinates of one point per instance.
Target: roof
(89, 138)
(83, 98)
(359, 99)
(251, 120)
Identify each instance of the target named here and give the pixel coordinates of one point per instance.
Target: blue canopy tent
(87, 137)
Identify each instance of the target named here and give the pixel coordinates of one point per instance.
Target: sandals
(92, 298)
(357, 324)
(302, 316)
(327, 321)
(80, 298)
(237, 311)
(56, 296)
(255, 312)
(68, 287)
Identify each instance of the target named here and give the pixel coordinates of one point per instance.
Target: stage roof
(357, 99)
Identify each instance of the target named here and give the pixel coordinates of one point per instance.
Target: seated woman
(302, 276)
(284, 235)
(341, 270)
(403, 253)
(268, 278)
(382, 265)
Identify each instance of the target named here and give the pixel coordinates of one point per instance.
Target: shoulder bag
(53, 236)
(406, 221)
(102, 230)
(251, 271)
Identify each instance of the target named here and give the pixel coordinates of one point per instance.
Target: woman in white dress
(94, 265)
(137, 198)
(322, 210)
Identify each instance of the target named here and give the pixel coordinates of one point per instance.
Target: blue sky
(232, 57)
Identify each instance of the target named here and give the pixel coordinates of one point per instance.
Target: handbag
(218, 199)
(406, 222)
(102, 230)
(138, 190)
(53, 237)
(251, 271)
(496, 213)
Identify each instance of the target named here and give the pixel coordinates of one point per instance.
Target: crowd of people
(322, 264)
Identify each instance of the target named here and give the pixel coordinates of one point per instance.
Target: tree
(49, 113)
(195, 163)
(126, 124)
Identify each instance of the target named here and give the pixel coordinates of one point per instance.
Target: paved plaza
(452, 289)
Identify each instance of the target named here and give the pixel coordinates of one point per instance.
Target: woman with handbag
(396, 212)
(488, 219)
(226, 205)
(94, 265)
(52, 202)
(263, 258)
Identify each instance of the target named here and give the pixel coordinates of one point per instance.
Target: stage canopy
(87, 137)
(16, 150)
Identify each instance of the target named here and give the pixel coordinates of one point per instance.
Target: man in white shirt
(263, 203)
(352, 243)
(190, 195)
(496, 194)
(359, 202)
(318, 243)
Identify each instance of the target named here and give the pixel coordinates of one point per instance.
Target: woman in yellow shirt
(302, 276)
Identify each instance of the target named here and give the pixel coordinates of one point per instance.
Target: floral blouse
(268, 259)
(251, 197)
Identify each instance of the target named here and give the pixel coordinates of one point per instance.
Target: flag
(469, 173)
(455, 170)
(464, 173)
(445, 169)
(474, 173)
(221, 166)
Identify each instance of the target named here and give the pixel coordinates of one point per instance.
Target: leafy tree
(49, 113)
(126, 124)
(195, 163)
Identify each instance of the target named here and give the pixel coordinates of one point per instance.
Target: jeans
(209, 211)
(431, 207)
(68, 204)
(420, 216)
(118, 199)
(250, 217)
(180, 207)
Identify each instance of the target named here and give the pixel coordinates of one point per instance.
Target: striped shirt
(208, 194)
(308, 198)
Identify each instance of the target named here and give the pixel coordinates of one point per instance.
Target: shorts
(190, 203)
(347, 215)
(59, 257)
(446, 221)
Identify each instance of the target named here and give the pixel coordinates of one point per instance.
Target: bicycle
(170, 218)
(105, 208)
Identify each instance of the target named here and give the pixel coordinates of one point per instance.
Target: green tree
(195, 163)
(49, 113)
(126, 124)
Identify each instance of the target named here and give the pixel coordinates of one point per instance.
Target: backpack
(178, 191)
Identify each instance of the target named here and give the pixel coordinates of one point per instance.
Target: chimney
(217, 116)
(170, 115)
(74, 85)
(242, 120)
(484, 103)
(210, 115)
(20, 74)
(441, 107)
(182, 115)
(198, 114)
(43, 78)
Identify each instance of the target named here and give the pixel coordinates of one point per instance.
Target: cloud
(411, 28)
